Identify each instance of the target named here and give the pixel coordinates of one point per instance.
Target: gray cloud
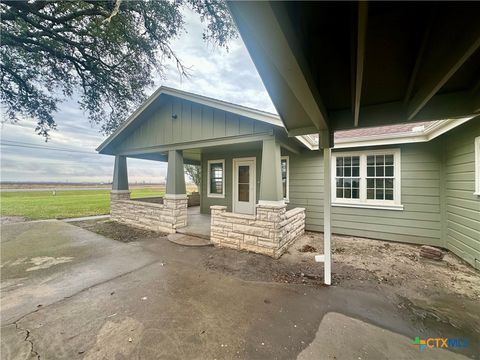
(214, 72)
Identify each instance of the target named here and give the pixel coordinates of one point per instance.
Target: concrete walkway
(87, 218)
(71, 294)
(46, 261)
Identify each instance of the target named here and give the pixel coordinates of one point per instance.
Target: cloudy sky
(229, 76)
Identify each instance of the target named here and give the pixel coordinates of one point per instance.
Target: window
(477, 166)
(348, 177)
(367, 179)
(380, 177)
(285, 176)
(216, 178)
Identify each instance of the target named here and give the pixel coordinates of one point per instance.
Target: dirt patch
(357, 262)
(440, 295)
(117, 231)
(394, 264)
(12, 219)
(307, 248)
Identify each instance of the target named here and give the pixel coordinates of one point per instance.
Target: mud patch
(4, 220)
(117, 231)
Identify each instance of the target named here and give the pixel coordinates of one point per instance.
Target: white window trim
(288, 177)
(363, 202)
(209, 194)
(477, 166)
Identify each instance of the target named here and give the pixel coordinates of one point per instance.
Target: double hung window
(367, 179)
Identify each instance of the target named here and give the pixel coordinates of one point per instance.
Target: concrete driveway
(68, 293)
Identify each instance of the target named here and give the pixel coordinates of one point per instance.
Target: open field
(35, 205)
(7, 186)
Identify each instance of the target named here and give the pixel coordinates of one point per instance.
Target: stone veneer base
(166, 217)
(269, 232)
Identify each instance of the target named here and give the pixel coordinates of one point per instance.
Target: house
(338, 66)
(331, 66)
(404, 182)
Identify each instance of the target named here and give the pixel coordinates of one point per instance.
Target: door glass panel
(244, 174)
(243, 192)
(244, 183)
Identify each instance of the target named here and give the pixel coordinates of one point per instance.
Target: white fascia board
(431, 132)
(259, 115)
(255, 114)
(441, 128)
(307, 143)
(130, 119)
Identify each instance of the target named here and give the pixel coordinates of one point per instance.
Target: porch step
(187, 231)
(188, 240)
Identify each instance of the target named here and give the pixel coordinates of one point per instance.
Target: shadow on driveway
(151, 299)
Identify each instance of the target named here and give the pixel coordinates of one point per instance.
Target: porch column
(271, 178)
(120, 179)
(175, 199)
(175, 174)
(326, 143)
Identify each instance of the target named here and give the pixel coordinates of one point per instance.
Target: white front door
(244, 186)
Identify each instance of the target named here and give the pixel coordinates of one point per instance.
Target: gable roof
(255, 114)
(374, 136)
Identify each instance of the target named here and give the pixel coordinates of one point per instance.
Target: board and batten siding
(461, 207)
(193, 122)
(418, 222)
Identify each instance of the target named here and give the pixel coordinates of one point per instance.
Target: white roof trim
(430, 132)
(263, 116)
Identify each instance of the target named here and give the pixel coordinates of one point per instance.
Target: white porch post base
(279, 203)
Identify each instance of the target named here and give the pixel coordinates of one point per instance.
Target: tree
(194, 172)
(107, 50)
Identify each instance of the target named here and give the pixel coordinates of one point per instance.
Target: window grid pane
(284, 177)
(348, 177)
(216, 178)
(380, 177)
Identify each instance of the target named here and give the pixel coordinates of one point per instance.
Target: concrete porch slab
(197, 224)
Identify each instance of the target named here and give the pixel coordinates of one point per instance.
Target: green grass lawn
(65, 204)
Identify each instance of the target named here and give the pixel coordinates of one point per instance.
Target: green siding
(461, 206)
(419, 222)
(194, 122)
(228, 156)
(437, 188)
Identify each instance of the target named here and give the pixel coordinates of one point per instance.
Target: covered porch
(241, 204)
(241, 153)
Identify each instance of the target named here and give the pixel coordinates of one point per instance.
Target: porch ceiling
(340, 65)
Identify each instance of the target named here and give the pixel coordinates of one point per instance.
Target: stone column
(271, 178)
(175, 197)
(120, 189)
